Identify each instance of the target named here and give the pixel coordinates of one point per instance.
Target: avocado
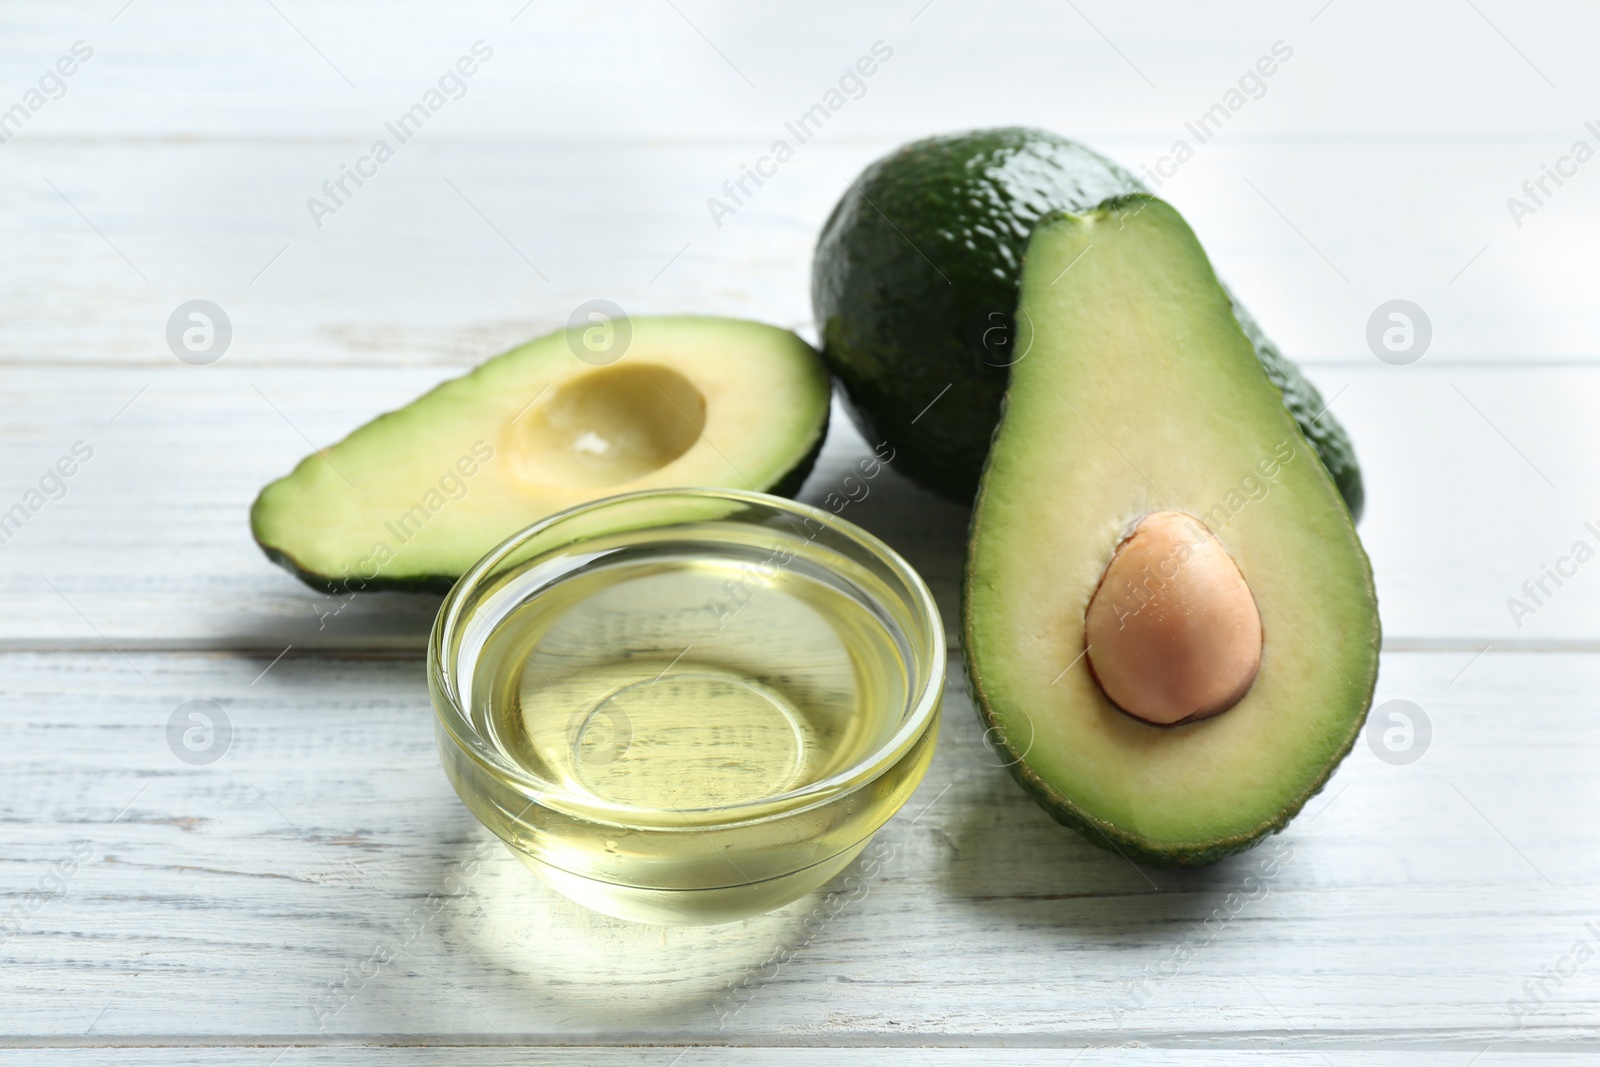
(1169, 622)
(412, 499)
(914, 287)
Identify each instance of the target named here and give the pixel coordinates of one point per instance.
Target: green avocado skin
(915, 284)
(1304, 401)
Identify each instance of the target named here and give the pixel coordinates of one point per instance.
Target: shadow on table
(437, 925)
(1014, 862)
(312, 622)
(596, 971)
(931, 533)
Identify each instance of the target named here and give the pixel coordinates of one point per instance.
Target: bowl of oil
(687, 705)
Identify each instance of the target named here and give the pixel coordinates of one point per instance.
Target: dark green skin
(915, 285)
(1304, 401)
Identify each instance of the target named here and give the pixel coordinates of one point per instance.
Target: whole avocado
(915, 284)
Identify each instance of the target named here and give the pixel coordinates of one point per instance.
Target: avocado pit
(1173, 632)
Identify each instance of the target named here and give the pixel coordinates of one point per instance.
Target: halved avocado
(915, 286)
(415, 497)
(1143, 407)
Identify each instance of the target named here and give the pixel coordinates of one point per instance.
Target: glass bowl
(687, 705)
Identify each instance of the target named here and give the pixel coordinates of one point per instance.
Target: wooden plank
(1474, 487)
(742, 1056)
(1406, 909)
(718, 70)
(172, 913)
(461, 247)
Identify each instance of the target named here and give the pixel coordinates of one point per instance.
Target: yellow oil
(670, 682)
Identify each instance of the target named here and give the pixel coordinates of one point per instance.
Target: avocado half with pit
(1169, 622)
(915, 284)
(412, 499)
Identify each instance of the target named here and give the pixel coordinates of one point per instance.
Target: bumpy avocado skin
(915, 284)
(1304, 401)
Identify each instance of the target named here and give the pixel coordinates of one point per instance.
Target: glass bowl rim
(924, 688)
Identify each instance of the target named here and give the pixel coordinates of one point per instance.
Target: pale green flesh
(1139, 393)
(692, 402)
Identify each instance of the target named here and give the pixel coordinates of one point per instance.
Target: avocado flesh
(412, 499)
(1142, 394)
(915, 285)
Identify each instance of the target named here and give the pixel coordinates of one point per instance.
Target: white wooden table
(236, 912)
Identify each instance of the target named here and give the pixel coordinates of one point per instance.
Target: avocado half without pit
(1169, 622)
(412, 499)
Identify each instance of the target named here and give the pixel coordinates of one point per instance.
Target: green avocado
(412, 499)
(1142, 396)
(914, 288)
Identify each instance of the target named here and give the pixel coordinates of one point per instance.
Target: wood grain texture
(460, 247)
(157, 912)
(298, 1055)
(232, 899)
(1478, 478)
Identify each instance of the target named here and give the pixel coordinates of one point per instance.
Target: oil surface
(674, 682)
